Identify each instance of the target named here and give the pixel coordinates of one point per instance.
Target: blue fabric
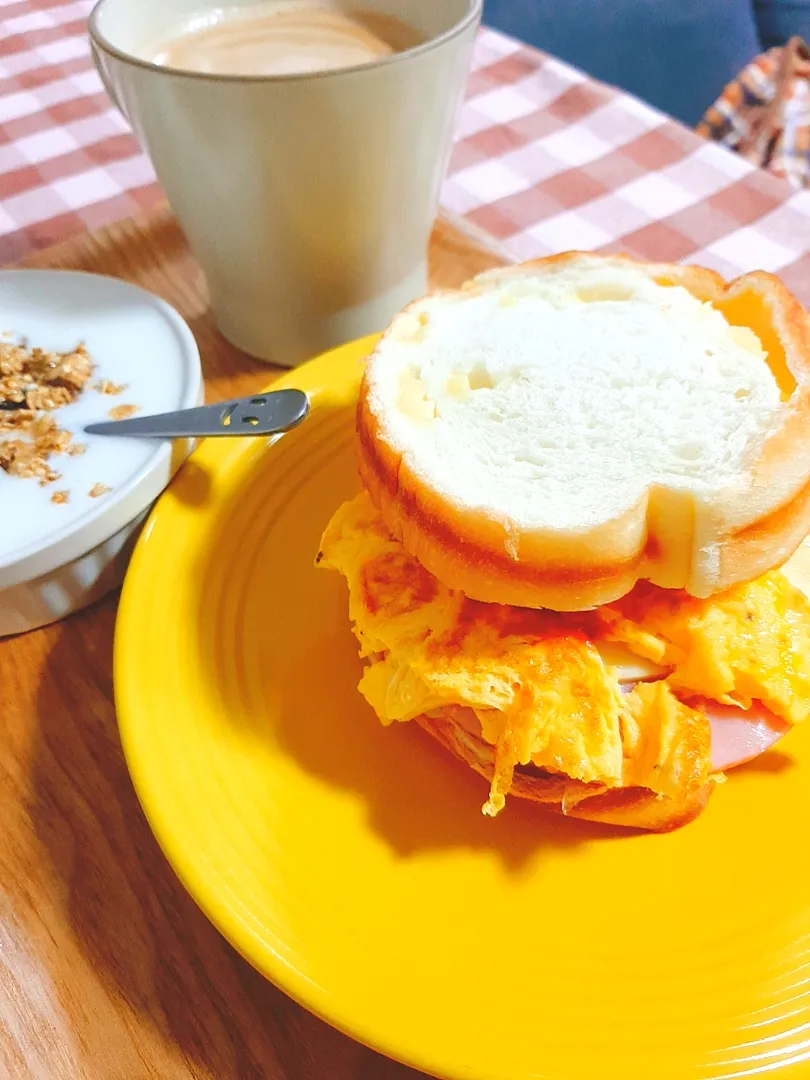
(676, 54)
(779, 20)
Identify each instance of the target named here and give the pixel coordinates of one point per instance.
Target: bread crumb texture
(558, 400)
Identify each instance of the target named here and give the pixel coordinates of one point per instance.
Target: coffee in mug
(285, 39)
(301, 144)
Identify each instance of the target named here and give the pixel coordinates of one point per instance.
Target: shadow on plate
(418, 797)
(196, 487)
(772, 762)
(289, 627)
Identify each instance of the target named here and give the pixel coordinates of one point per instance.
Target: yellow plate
(351, 864)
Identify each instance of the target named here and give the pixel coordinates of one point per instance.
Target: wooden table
(107, 968)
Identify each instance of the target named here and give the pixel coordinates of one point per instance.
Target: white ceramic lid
(133, 338)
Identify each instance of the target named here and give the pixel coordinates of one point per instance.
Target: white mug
(308, 199)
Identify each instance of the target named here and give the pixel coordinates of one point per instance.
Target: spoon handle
(262, 414)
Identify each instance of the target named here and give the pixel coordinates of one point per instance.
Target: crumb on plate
(107, 386)
(60, 497)
(98, 489)
(122, 412)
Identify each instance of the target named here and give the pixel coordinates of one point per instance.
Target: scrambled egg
(541, 684)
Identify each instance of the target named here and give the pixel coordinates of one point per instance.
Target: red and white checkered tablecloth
(545, 159)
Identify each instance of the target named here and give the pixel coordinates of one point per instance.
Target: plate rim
(37, 558)
(229, 918)
(224, 917)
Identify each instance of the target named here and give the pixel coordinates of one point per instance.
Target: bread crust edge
(738, 536)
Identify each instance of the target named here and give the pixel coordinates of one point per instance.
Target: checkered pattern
(545, 159)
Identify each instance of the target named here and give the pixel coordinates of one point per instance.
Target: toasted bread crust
(668, 538)
(633, 807)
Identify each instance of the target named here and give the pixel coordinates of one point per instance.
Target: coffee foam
(284, 38)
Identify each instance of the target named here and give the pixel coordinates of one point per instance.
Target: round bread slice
(555, 431)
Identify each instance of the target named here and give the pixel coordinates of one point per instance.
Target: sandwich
(576, 560)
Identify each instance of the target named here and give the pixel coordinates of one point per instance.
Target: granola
(34, 383)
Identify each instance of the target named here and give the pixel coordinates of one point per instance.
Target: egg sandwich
(582, 479)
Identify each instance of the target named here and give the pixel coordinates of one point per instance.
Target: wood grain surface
(108, 971)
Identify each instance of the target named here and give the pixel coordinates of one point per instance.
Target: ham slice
(739, 735)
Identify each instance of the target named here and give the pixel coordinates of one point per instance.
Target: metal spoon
(262, 414)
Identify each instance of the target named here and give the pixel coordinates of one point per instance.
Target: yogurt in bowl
(65, 543)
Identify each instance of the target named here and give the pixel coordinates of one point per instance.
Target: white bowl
(57, 558)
